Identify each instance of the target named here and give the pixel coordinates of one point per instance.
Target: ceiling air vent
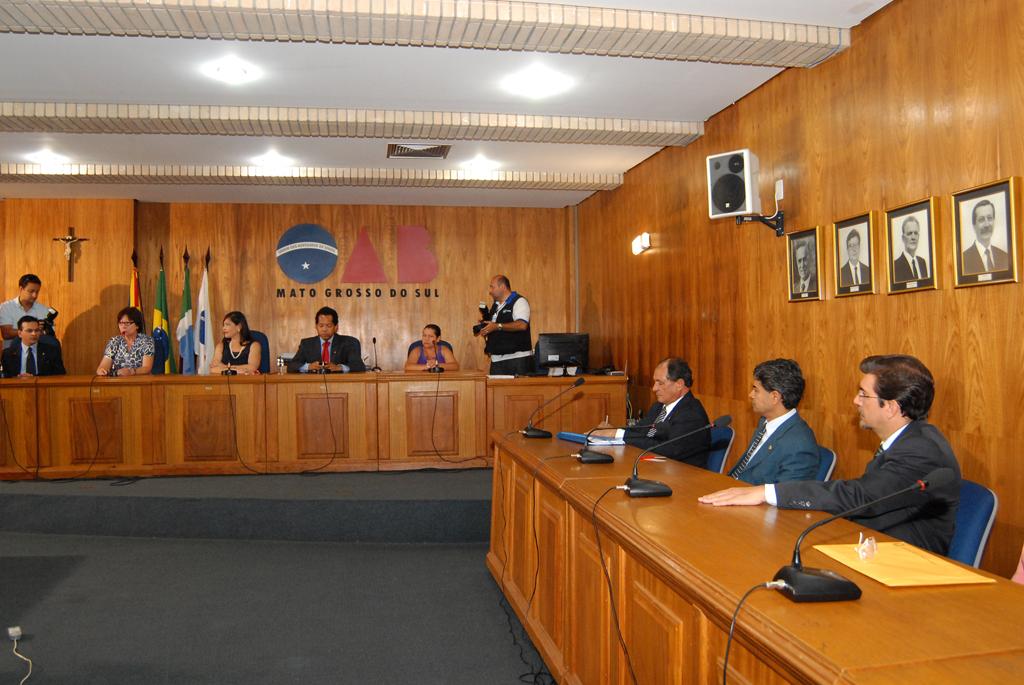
(397, 151)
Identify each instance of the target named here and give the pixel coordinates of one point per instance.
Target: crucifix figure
(70, 240)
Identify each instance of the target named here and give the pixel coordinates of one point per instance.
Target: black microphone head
(722, 421)
(939, 478)
(374, 340)
(579, 382)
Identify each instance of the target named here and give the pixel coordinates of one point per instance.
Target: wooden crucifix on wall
(71, 242)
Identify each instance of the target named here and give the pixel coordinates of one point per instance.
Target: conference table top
(712, 555)
(358, 377)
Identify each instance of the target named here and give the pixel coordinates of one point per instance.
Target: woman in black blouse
(238, 351)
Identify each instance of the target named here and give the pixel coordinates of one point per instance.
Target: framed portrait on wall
(854, 252)
(804, 265)
(910, 246)
(985, 234)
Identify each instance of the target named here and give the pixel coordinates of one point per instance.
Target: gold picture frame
(985, 233)
(803, 265)
(910, 265)
(853, 252)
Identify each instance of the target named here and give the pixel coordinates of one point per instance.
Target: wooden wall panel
(88, 305)
(928, 100)
(532, 246)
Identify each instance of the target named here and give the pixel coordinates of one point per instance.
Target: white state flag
(204, 336)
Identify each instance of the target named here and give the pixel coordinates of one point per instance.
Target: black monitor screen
(563, 349)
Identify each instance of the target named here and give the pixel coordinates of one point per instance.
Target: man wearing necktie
(783, 447)
(893, 400)
(854, 272)
(804, 276)
(327, 352)
(909, 266)
(982, 256)
(675, 413)
(30, 356)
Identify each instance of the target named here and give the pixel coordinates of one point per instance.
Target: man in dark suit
(327, 352)
(982, 256)
(854, 271)
(908, 266)
(32, 356)
(675, 413)
(803, 279)
(893, 400)
(783, 447)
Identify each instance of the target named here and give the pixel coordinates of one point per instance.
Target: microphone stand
(821, 585)
(532, 432)
(375, 367)
(641, 487)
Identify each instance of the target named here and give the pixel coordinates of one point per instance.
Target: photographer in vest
(508, 333)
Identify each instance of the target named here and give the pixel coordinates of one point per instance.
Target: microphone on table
(589, 456)
(640, 487)
(530, 431)
(821, 585)
(375, 367)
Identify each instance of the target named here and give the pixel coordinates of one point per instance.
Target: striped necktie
(661, 417)
(745, 461)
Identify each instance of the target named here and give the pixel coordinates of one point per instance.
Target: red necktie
(325, 355)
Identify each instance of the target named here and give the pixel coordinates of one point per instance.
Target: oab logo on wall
(307, 253)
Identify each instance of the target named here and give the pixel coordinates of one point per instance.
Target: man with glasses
(31, 356)
(893, 400)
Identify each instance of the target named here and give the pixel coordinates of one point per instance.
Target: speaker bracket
(776, 222)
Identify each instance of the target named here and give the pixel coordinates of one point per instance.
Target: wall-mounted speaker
(732, 184)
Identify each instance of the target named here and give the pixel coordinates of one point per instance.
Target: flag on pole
(134, 291)
(163, 360)
(204, 336)
(184, 332)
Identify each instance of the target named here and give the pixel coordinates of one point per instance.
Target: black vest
(507, 342)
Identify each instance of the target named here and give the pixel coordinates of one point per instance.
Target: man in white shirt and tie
(804, 278)
(909, 266)
(982, 256)
(854, 272)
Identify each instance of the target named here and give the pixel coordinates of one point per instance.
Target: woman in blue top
(431, 351)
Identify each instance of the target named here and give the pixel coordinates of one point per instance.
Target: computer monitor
(563, 349)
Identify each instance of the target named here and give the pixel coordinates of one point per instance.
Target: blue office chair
(721, 443)
(261, 338)
(419, 343)
(826, 463)
(974, 517)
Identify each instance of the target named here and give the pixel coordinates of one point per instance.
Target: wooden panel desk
(678, 568)
(432, 419)
(511, 401)
(85, 426)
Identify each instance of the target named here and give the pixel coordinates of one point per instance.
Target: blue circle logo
(307, 253)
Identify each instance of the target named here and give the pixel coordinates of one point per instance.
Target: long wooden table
(678, 569)
(85, 426)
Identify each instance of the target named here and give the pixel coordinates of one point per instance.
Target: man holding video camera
(25, 304)
(506, 329)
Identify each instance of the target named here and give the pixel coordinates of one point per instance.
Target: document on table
(900, 564)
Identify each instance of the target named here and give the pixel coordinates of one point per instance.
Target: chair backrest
(721, 443)
(974, 517)
(826, 463)
(419, 343)
(261, 338)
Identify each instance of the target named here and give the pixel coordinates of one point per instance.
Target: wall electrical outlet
(14, 632)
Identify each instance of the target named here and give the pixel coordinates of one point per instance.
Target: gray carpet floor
(156, 611)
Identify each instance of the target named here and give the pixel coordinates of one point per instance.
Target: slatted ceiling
(22, 117)
(486, 24)
(175, 174)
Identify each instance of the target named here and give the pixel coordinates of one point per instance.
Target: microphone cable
(536, 675)
(10, 440)
(608, 580)
(319, 470)
(96, 431)
(773, 585)
(234, 430)
(433, 443)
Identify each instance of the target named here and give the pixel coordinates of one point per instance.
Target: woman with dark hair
(238, 352)
(431, 352)
(130, 352)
